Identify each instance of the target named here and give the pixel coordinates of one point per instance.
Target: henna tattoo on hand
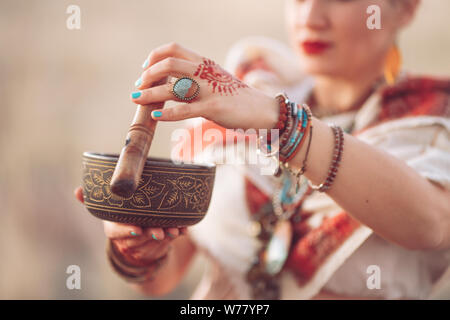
(219, 78)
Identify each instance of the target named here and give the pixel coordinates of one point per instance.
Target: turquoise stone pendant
(277, 249)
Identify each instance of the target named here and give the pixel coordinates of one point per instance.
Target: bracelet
(303, 168)
(337, 156)
(283, 101)
(290, 139)
(294, 123)
(283, 136)
(306, 123)
(132, 273)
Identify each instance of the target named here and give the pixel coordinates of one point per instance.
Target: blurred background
(65, 91)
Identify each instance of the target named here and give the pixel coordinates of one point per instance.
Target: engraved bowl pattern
(168, 194)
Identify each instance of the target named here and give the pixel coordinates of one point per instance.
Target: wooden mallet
(128, 171)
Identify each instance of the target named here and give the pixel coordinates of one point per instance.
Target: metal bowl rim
(151, 161)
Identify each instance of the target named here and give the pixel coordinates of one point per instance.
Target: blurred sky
(67, 91)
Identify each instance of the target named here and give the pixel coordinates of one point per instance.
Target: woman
(380, 230)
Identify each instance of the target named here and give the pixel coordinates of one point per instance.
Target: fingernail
(136, 95)
(145, 64)
(170, 235)
(138, 82)
(133, 233)
(154, 237)
(157, 114)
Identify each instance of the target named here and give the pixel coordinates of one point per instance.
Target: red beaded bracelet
(288, 128)
(284, 114)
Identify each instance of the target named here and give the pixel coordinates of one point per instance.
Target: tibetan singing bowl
(168, 194)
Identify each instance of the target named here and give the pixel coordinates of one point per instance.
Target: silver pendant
(278, 247)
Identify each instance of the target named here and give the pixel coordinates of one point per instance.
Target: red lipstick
(315, 47)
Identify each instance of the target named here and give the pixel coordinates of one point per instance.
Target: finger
(132, 256)
(169, 235)
(183, 230)
(154, 253)
(172, 232)
(114, 230)
(134, 242)
(168, 67)
(155, 94)
(155, 233)
(179, 112)
(172, 49)
(79, 194)
(150, 251)
(119, 247)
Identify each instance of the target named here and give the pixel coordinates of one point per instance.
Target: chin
(318, 65)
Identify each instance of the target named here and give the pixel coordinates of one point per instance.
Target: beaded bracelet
(270, 140)
(290, 139)
(297, 140)
(290, 125)
(284, 125)
(283, 116)
(307, 118)
(337, 156)
(303, 169)
(294, 122)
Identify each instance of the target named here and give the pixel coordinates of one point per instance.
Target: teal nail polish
(145, 65)
(154, 237)
(157, 114)
(138, 82)
(136, 95)
(133, 233)
(170, 235)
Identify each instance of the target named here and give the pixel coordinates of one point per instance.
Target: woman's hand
(138, 246)
(223, 98)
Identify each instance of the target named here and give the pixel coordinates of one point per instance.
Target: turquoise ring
(185, 89)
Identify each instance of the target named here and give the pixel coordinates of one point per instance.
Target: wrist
(270, 115)
(300, 159)
(294, 127)
(126, 256)
(320, 153)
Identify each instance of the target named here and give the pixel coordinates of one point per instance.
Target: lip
(314, 47)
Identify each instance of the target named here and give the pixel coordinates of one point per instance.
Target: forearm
(167, 278)
(379, 190)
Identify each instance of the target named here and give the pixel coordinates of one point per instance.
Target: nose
(312, 14)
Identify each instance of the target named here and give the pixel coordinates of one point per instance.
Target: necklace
(275, 231)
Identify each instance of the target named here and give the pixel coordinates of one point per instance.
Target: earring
(393, 64)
